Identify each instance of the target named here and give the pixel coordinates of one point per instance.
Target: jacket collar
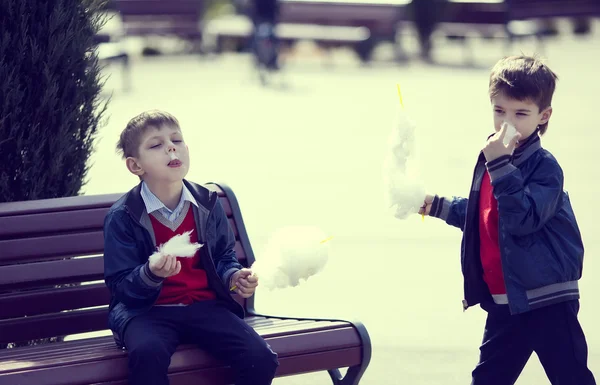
(527, 148)
(205, 198)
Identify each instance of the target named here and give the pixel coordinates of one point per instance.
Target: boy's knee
(263, 363)
(151, 354)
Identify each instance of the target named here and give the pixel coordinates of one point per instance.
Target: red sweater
(191, 284)
(489, 249)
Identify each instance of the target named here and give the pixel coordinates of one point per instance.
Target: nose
(170, 147)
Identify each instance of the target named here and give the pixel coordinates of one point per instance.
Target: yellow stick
(400, 96)
(326, 239)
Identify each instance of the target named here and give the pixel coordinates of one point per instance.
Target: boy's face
(525, 116)
(163, 156)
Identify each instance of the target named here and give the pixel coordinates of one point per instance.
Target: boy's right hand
(165, 266)
(426, 208)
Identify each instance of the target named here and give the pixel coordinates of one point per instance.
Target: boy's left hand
(245, 282)
(495, 148)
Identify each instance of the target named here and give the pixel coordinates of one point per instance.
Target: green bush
(50, 104)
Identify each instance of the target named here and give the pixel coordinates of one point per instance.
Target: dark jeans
(151, 340)
(553, 332)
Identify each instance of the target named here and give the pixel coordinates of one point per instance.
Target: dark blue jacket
(540, 243)
(129, 241)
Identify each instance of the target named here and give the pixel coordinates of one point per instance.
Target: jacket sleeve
(223, 251)
(130, 282)
(453, 211)
(526, 206)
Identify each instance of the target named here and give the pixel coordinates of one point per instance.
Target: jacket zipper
(468, 214)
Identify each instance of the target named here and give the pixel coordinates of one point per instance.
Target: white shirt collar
(152, 203)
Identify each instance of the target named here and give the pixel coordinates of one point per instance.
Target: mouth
(175, 163)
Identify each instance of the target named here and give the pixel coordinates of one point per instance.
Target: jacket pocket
(530, 262)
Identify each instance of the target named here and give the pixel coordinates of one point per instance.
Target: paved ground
(315, 149)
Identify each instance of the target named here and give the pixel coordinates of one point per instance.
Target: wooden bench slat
(78, 243)
(59, 324)
(234, 228)
(17, 226)
(240, 253)
(53, 300)
(219, 375)
(42, 350)
(323, 338)
(159, 7)
(226, 206)
(58, 204)
(56, 272)
(75, 348)
(51, 273)
(81, 202)
(53, 246)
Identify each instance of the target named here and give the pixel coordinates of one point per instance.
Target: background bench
(174, 18)
(541, 9)
(329, 23)
(54, 242)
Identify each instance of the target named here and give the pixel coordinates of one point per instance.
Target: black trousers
(553, 332)
(151, 340)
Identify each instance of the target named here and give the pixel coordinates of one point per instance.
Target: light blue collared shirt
(154, 204)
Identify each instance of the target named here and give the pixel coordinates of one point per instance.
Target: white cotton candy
(292, 255)
(510, 133)
(179, 246)
(404, 190)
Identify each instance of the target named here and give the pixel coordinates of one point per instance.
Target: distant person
(522, 252)
(426, 14)
(265, 45)
(265, 11)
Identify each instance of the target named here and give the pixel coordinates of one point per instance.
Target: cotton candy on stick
(179, 246)
(292, 255)
(404, 190)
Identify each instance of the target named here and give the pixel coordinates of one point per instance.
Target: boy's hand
(495, 148)
(245, 282)
(164, 265)
(426, 208)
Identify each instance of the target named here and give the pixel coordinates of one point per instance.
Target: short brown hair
(524, 78)
(129, 141)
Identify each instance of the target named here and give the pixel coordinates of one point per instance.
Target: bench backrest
(468, 12)
(380, 17)
(533, 9)
(51, 264)
(160, 7)
(162, 17)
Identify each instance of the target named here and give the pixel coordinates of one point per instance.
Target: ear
(545, 115)
(133, 166)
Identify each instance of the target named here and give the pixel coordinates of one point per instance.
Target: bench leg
(352, 377)
(126, 73)
(355, 373)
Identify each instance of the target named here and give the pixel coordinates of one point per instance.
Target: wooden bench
(466, 20)
(54, 242)
(236, 31)
(178, 18)
(542, 9)
(359, 25)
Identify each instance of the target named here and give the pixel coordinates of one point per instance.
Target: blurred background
(291, 102)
